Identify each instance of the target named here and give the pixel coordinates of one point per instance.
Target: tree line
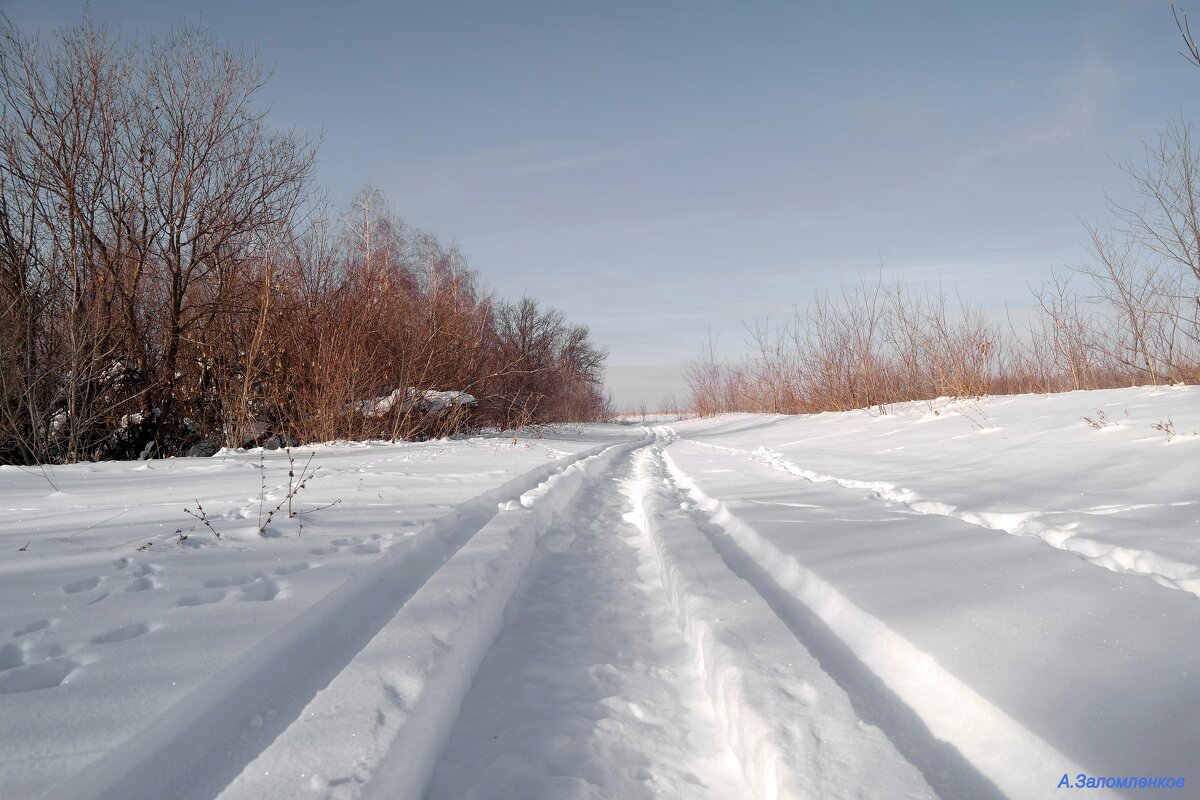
(170, 282)
(1129, 315)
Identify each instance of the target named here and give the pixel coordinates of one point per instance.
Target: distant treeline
(1129, 316)
(170, 284)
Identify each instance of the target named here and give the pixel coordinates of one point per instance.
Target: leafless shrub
(974, 413)
(1099, 421)
(1167, 427)
(202, 517)
(136, 182)
(1130, 315)
(295, 484)
(167, 283)
(871, 345)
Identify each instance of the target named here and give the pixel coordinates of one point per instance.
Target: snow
(426, 401)
(794, 730)
(203, 606)
(1034, 655)
(619, 711)
(951, 599)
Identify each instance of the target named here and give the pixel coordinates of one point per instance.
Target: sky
(666, 172)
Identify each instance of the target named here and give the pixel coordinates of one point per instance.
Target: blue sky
(659, 170)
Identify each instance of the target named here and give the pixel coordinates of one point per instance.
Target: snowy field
(955, 599)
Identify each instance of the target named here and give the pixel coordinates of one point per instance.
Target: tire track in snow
(376, 729)
(896, 685)
(201, 743)
(795, 731)
(590, 690)
(1114, 558)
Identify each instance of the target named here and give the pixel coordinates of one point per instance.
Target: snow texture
(955, 599)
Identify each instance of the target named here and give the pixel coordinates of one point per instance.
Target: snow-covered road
(945, 601)
(590, 685)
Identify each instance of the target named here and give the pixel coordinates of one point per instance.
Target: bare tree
(61, 109)
(217, 182)
(159, 287)
(1185, 32)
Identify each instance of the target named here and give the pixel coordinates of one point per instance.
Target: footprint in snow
(33, 627)
(235, 580)
(87, 584)
(356, 543)
(17, 674)
(123, 634)
(204, 599)
(292, 569)
(261, 589)
(11, 656)
(45, 675)
(142, 584)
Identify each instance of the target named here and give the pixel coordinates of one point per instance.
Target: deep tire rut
(590, 689)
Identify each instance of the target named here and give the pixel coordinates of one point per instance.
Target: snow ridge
(1115, 558)
(1009, 755)
(399, 696)
(790, 725)
(590, 689)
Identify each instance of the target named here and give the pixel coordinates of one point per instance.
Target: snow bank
(425, 401)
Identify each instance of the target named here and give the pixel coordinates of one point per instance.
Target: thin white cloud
(1076, 97)
(533, 158)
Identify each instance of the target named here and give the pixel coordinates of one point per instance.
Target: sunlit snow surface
(953, 598)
